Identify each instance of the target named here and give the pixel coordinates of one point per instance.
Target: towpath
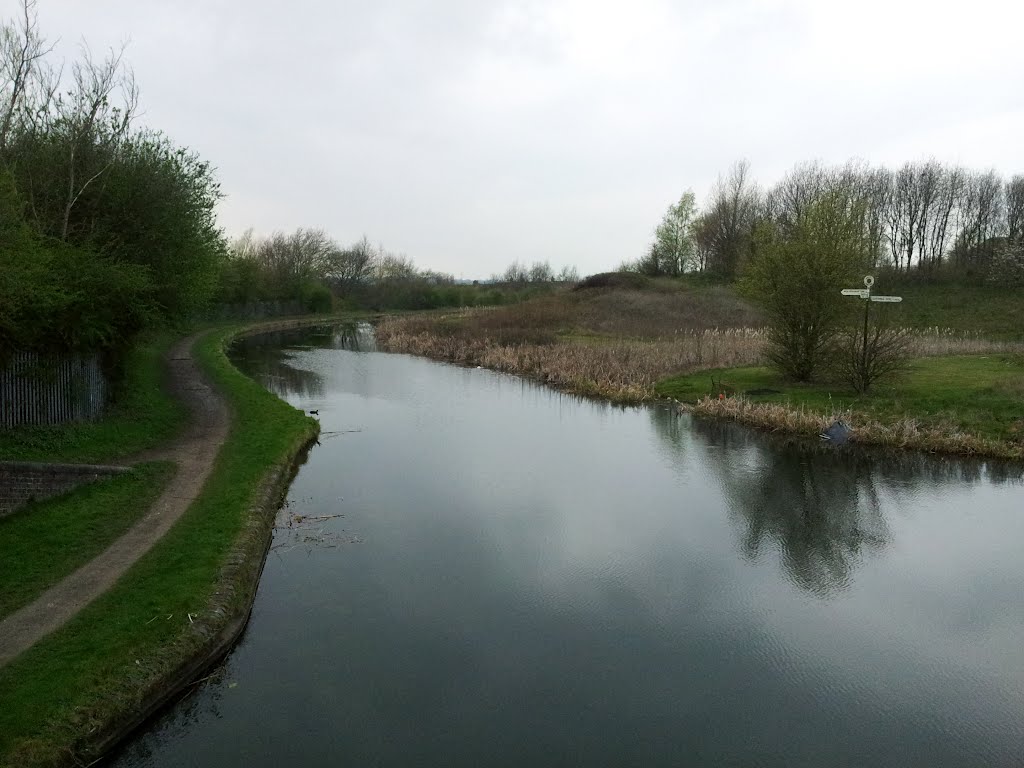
(193, 452)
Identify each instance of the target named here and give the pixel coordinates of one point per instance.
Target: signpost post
(865, 293)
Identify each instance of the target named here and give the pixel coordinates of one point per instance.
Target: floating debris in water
(838, 433)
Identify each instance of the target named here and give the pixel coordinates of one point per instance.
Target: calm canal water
(472, 570)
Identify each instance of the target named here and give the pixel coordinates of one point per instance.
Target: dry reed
(622, 370)
(524, 340)
(937, 342)
(902, 433)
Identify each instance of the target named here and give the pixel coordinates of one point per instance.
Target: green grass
(990, 310)
(47, 540)
(143, 416)
(96, 666)
(982, 395)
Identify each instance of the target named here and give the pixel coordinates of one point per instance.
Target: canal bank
(79, 690)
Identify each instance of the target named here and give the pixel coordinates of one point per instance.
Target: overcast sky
(468, 133)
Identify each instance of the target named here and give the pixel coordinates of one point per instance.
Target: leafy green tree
(108, 228)
(156, 209)
(59, 297)
(673, 250)
(796, 274)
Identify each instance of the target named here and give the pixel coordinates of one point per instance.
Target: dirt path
(194, 453)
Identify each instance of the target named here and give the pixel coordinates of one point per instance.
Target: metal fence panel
(48, 389)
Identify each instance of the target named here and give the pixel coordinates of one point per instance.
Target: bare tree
(788, 201)
(942, 195)
(515, 272)
(306, 254)
(982, 219)
(703, 242)
(875, 189)
(727, 227)
(61, 135)
(244, 246)
(1015, 208)
(352, 266)
(569, 274)
(394, 266)
(87, 119)
(872, 353)
(22, 49)
(903, 217)
(923, 208)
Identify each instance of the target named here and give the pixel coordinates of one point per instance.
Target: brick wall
(22, 481)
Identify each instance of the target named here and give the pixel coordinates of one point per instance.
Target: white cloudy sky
(470, 133)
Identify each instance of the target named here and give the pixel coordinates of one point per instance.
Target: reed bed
(531, 340)
(938, 342)
(622, 370)
(902, 433)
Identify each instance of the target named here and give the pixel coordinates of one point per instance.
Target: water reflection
(527, 578)
(266, 357)
(820, 508)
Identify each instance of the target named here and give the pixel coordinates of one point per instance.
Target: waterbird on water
(314, 413)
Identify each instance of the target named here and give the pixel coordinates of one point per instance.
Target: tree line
(793, 246)
(106, 227)
(311, 267)
(926, 218)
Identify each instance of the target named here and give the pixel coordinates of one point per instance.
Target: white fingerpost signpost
(865, 293)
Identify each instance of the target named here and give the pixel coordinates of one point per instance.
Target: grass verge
(145, 415)
(111, 659)
(45, 541)
(994, 311)
(957, 404)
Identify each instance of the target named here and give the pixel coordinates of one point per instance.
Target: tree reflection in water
(818, 505)
(266, 356)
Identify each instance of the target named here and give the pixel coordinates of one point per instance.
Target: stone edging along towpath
(235, 588)
(234, 593)
(194, 453)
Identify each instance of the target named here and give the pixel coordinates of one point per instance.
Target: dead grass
(621, 370)
(941, 342)
(608, 342)
(663, 314)
(617, 342)
(902, 433)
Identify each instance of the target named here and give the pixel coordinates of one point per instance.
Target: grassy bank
(144, 415)
(959, 404)
(992, 311)
(45, 541)
(619, 341)
(108, 660)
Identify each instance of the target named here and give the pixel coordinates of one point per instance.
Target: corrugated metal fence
(46, 389)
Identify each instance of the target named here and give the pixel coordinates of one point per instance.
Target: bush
(59, 297)
(1008, 265)
(615, 280)
(316, 298)
(864, 359)
(797, 274)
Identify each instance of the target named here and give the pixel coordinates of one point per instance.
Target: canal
(474, 570)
